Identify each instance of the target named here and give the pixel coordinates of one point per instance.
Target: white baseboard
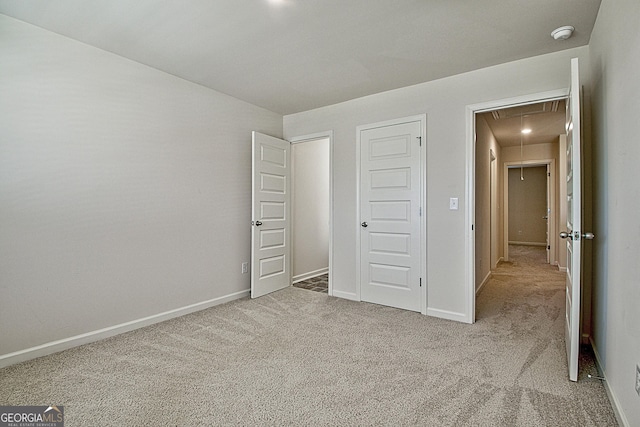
(615, 403)
(562, 269)
(310, 275)
(345, 295)
(89, 337)
(484, 282)
(448, 315)
(527, 243)
(498, 262)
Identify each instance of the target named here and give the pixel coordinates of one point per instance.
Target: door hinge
(420, 211)
(549, 247)
(421, 282)
(419, 140)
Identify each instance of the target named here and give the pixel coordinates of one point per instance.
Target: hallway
(523, 287)
(526, 280)
(522, 308)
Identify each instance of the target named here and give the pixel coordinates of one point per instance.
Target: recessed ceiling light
(526, 131)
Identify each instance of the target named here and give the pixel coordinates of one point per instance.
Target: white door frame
(422, 118)
(493, 213)
(314, 137)
(552, 241)
(470, 192)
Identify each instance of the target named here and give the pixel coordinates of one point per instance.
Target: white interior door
(390, 208)
(271, 215)
(574, 234)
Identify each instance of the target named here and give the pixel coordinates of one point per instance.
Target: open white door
(548, 214)
(574, 234)
(271, 218)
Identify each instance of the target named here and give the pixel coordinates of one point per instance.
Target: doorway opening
(530, 211)
(311, 213)
(498, 144)
(572, 297)
(528, 203)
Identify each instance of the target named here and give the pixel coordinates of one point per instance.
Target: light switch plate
(453, 204)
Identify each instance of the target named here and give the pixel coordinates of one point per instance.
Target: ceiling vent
(526, 110)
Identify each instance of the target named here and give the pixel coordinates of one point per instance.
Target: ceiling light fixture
(562, 33)
(526, 131)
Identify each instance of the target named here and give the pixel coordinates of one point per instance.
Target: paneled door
(390, 210)
(271, 215)
(574, 234)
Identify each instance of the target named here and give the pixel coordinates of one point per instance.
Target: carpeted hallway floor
(303, 358)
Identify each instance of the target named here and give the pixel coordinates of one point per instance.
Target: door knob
(364, 224)
(586, 236)
(258, 223)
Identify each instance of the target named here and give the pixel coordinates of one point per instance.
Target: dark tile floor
(317, 284)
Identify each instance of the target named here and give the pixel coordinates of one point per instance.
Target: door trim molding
(446, 314)
(422, 118)
(470, 180)
(313, 137)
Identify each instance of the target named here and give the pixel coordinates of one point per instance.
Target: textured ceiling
(303, 54)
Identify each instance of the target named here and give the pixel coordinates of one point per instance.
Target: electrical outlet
(638, 380)
(245, 267)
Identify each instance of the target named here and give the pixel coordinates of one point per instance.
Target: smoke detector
(562, 33)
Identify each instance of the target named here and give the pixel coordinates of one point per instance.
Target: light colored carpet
(297, 357)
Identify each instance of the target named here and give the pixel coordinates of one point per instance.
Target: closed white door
(574, 234)
(390, 209)
(271, 215)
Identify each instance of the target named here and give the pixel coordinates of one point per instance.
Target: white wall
(487, 175)
(310, 210)
(615, 67)
(444, 101)
(124, 191)
(531, 152)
